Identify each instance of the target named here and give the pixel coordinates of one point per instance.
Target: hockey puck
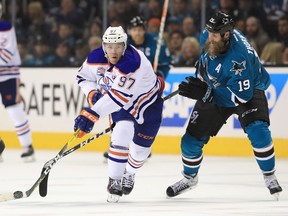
(18, 194)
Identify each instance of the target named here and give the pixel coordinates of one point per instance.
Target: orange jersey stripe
(119, 96)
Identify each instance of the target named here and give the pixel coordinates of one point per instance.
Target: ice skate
(273, 185)
(127, 182)
(2, 147)
(28, 154)
(114, 189)
(185, 184)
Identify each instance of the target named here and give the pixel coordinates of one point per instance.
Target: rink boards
(52, 100)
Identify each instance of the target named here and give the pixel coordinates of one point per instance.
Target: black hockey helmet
(137, 21)
(220, 22)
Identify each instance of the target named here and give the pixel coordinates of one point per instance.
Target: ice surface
(77, 186)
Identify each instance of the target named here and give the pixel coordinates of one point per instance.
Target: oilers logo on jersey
(105, 82)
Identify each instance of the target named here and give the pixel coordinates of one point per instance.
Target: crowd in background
(60, 33)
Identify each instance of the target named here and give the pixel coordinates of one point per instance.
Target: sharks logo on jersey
(238, 67)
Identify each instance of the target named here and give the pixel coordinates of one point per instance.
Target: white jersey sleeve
(9, 55)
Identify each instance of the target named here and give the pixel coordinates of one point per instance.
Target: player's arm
(109, 103)
(195, 87)
(8, 44)
(86, 79)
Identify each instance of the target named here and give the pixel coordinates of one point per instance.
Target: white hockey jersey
(9, 54)
(130, 84)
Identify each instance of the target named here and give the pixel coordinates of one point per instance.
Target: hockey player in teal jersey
(229, 80)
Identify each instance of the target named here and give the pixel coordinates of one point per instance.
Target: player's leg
(118, 156)
(12, 101)
(140, 147)
(205, 121)
(254, 118)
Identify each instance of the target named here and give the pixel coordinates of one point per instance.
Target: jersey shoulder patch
(130, 62)
(5, 26)
(96, 56)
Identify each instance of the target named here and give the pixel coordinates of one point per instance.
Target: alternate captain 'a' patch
(238, 67)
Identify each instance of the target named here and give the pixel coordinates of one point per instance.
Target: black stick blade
(43, 185)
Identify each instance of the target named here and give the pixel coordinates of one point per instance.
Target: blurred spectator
(20, 28)
(229, 7)
(35, 23)
(64, 33)
(23, 51)
(69, 12)
(285, 55)
(255, 33)
(283, 29)
(50, 6)
(179, 9)
(153, 25)
(190, 52)
(138, 6)
(247, 8)
(153, 9)
(272, 53)
(176, 39)
(173, 24)
(41, 55)
(112, 12)
(94, 42)
(85, 18)
(125, 12)
(81, 52)
(62, 55)
(195, 9)
(273, 9)
(189, 27)
(240, 24)
(94, 29)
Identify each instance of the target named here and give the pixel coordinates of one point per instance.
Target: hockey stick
(49, 164)
(44, 184)
(161, 31)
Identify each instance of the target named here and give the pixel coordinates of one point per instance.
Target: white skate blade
(113, 198)
(29, 159)
(276, 196)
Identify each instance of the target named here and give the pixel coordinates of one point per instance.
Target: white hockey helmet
(115, 35)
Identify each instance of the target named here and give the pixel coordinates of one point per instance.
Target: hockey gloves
(195, 89)
(85, 121)
(94, 96)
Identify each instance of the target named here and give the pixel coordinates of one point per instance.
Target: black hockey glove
(195, 89)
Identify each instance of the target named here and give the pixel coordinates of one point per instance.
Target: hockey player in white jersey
(9, 87)
(133, 96)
